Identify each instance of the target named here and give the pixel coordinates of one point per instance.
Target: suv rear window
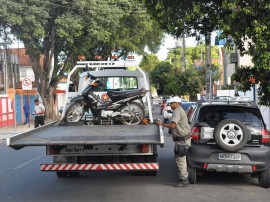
(212, 115)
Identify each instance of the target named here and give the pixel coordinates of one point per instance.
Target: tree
(192, 54)
(149, 62)
(246, 22)
(174, 82)
(71, 28)
(185, 17)
(160, 76)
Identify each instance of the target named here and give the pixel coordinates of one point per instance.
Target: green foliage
(189, 82)
(246, 22)
(249, 25)
(191, 17)
(175, 82)
(244, 74)
(73, 28)
(149, 62)
(194, 53)
(161, 73)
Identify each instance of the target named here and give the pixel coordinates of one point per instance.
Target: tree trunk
(42, 73)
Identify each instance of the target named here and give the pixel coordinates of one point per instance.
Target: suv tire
(231, 135)
(264, 178)
(192, 175)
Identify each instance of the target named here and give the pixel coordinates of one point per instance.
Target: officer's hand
(159, 123)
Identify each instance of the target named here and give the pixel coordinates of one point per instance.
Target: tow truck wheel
(151, 173)
(61, 174)
(74, 174)
(67, 174)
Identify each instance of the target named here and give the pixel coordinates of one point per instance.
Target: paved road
(21, 180)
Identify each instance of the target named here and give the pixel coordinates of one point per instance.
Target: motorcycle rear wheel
(74, 112)
(136, 112)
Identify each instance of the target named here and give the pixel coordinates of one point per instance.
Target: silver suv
(229, 137)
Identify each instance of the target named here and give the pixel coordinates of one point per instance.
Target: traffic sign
(26, 84)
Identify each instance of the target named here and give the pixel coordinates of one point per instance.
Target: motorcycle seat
(119, 95)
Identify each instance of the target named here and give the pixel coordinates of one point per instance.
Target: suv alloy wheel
(231, 135)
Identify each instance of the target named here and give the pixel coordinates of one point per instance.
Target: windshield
(117, 83)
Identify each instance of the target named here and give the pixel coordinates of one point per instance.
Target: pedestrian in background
(181, 137)
(26, 109)
(39, 113)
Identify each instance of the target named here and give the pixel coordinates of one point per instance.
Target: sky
(170, 42)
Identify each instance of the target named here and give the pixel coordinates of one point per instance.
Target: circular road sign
(26, 84)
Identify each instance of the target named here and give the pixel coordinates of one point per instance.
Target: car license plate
(229, 156)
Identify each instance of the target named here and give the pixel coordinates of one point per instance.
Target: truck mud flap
(99, 167)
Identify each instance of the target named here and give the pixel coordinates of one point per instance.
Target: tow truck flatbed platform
(53, 134)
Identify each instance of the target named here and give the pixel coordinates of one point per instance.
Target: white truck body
(77, 147)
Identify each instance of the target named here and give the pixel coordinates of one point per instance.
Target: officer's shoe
(182, 183)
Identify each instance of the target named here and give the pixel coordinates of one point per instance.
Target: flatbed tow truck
(76, 147)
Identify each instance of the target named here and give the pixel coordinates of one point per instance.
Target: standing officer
(181, 137)
(40, 113)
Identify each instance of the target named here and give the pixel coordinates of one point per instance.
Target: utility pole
(209, 91)
(178, 45)
(184, 53)
(5, 70)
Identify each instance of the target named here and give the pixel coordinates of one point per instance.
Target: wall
(23, 96)
(27, 72)
(6, 111)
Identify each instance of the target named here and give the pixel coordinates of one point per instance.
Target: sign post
(27, 85)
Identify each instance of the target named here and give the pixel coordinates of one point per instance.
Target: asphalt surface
(21, 180)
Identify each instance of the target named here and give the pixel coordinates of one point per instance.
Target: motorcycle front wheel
(132, 114)
(74, 112)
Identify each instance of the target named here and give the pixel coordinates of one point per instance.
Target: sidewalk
(12, 130)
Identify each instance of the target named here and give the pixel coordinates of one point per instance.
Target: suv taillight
(265, 136)
(195, 133)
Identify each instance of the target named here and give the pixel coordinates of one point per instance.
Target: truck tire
(74, 112)
(231, 135)
(74, 174)
(192, 175)
(264, 178)
(61, 174)
(151, 173)
(136, 111)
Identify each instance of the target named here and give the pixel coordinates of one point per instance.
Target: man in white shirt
(39, 112)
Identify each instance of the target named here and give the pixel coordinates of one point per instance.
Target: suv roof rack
(228, 102)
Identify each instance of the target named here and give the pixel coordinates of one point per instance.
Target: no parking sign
(26, 84)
